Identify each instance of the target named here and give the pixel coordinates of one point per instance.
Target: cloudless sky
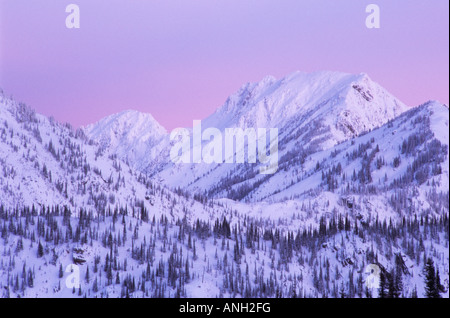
(180, 59)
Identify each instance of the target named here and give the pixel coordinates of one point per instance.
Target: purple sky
(180, 59)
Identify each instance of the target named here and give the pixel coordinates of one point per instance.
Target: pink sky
(180, 60)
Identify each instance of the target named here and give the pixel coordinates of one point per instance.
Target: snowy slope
(45, 163)
(429, 120)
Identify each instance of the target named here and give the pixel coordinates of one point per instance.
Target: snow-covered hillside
(45, 163)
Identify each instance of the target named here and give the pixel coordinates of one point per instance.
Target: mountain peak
(348, 103)
(129, 133)
(129, 122)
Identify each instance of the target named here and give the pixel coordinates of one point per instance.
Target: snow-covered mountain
(362, 180)
(345, 104)
(341, 136)
(312, 111)
(135, 137)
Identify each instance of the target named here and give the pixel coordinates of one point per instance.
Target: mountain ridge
(322, 109)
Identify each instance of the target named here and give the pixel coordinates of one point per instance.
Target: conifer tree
(383, 285)
(40, 251)
(430, 280)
